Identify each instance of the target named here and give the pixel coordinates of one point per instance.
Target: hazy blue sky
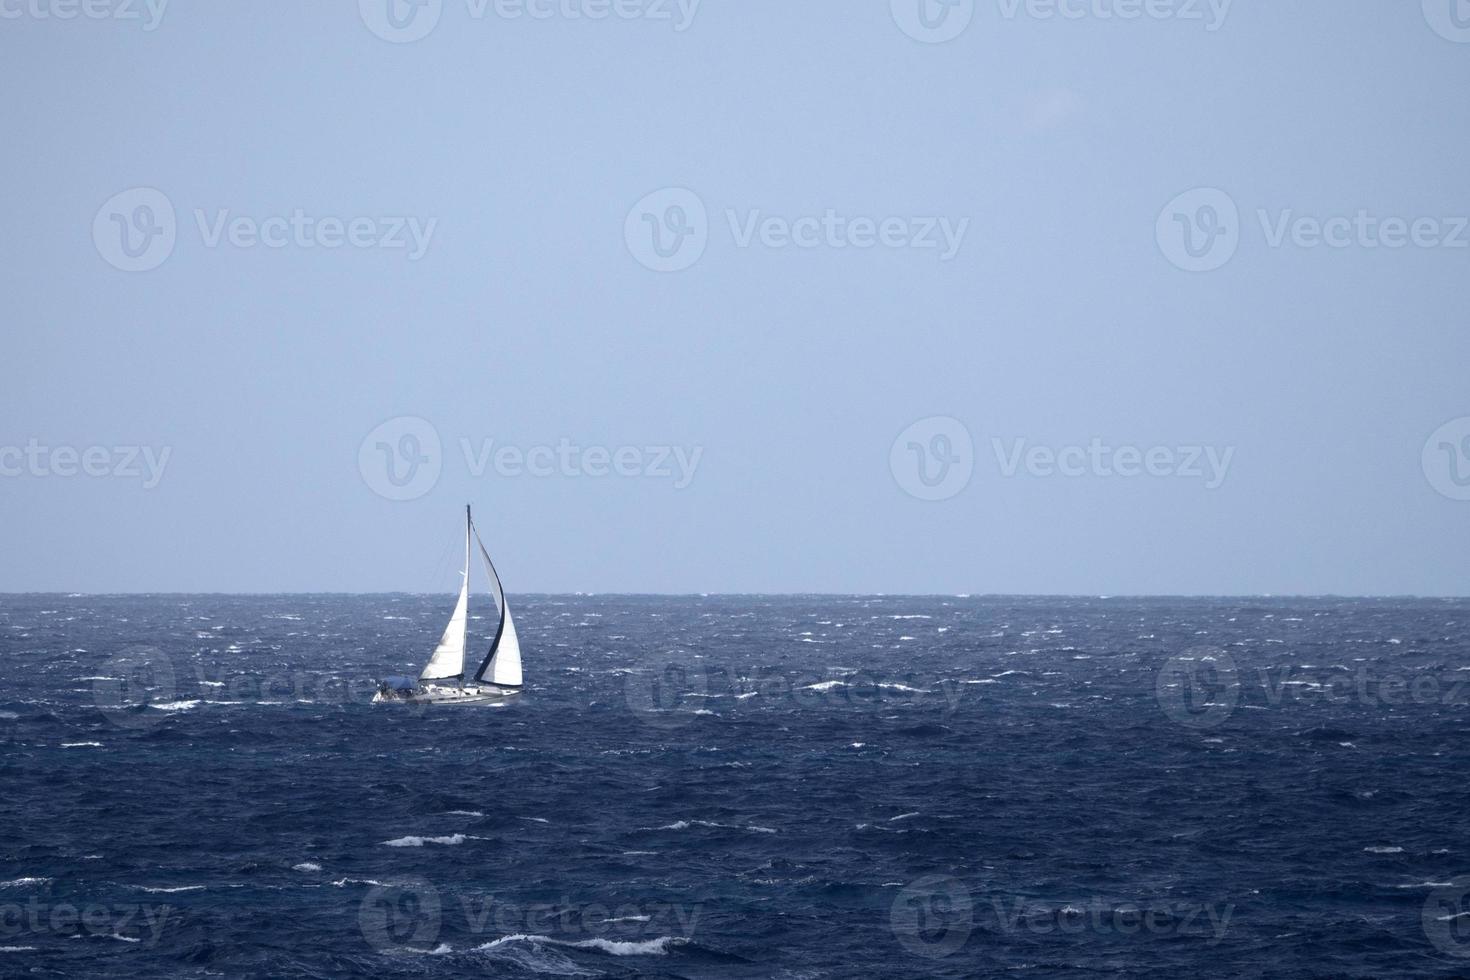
(536, 156)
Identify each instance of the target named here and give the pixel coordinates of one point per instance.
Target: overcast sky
(841, 296)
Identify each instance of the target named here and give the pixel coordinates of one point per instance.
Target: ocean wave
(421, 841)
(650, 947)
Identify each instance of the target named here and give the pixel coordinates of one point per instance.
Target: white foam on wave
(903, 816)
(175, 705)
(306, 866)
(23, 882)
(17, 949)
(169, 891)
(465, 813)
(686, 824)
(421, 841)
(81, 745)
(650, 947)
(344, 882)
(825, 685)
(1384, 850)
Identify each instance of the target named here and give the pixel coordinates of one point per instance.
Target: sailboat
(443, 681)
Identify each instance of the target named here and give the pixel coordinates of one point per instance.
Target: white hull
(484, 694)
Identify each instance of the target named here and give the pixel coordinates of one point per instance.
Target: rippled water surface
(739, 787)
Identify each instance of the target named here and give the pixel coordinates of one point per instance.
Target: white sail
(505, 663)
(502, 665)
(448, 659)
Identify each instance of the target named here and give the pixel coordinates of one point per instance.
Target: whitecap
(1384, 850)
(170, 891)
(175, 705)
(23, 882)
(81, 745)
(306, 866)
(421, 841)
(651, 947)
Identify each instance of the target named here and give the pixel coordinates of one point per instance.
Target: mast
(468, 526)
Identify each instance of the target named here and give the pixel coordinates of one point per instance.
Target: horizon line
(817, 594)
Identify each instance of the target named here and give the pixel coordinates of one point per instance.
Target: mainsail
(447, 663)
(502, 666)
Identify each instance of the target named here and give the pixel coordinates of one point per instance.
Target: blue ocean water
(739, 787)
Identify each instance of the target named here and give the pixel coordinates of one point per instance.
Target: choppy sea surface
(739, 787)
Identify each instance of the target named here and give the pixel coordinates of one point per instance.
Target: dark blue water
(739, 787)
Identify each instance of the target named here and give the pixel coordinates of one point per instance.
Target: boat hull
(449, 696)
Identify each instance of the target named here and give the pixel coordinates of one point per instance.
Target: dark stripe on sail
(500, 599)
